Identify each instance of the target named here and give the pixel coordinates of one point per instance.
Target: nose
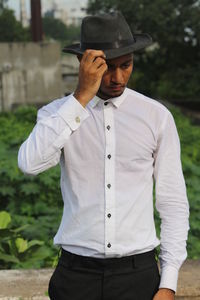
(117, 76)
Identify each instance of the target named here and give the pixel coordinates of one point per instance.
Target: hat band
(105, 46)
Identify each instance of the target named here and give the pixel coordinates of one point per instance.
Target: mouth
(116, 87)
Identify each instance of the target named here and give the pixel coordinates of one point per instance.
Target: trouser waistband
(138, 260)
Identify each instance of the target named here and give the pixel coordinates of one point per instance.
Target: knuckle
(91, 52)
(103, 54)
(87, 53)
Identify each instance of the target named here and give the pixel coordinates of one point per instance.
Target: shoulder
(51, 108)
(148, 102)
(152, 112)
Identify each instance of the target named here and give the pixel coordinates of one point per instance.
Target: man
(112, 143)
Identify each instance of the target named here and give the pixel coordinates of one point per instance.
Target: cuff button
(78, 120)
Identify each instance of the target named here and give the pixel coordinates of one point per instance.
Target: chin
(109, 94)
(116, 94)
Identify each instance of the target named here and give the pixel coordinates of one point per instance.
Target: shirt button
(109, 156)
(108, 127)
(78, 120)
(109, 245)
(108, 215)
(105, 103)
(109, 185)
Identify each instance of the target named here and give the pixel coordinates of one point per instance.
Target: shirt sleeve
(171, 203)
(54, 127)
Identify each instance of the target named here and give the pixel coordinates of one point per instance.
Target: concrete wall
(29, 73)
(70, 69)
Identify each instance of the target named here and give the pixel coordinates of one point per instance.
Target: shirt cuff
(169, 278)
(73, 113)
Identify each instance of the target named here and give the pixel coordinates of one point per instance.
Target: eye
(125, 66)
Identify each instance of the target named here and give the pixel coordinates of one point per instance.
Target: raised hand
(91, 70)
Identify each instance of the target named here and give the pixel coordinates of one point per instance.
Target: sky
(46, 4)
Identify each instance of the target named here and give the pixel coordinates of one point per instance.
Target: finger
(90, 55)
(102, 69)
(98, 62)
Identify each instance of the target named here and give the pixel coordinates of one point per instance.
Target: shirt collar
(117, 101)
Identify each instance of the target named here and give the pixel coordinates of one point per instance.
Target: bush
(31, 200)
(15, 251)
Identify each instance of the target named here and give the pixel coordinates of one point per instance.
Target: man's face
(116, 77)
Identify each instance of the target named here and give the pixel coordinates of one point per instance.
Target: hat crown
(109, 33)
(105, 28)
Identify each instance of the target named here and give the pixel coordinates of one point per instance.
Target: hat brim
(140, 41)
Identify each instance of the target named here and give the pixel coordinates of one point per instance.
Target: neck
(103, 96)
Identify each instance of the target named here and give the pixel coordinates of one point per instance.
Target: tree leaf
(5, 219)
(35, 243)
(8, 258)
(22, 245)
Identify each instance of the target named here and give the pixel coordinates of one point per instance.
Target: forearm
(174, 229)
(173, 208)
(41, 150)
(43, 147)
(171, 203)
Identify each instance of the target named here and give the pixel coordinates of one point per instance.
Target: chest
(128, 135)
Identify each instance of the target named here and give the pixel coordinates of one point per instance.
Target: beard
(110, 92)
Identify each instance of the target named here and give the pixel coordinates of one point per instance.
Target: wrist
(164, 294)
(167, 291)
(81, 97)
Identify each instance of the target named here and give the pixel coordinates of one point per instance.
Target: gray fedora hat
(110, 33)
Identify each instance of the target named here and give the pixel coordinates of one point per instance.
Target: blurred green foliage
(30, 200)
(11, 30)
(2, 4)
(57, 30)
(16, 251)
(36, 200)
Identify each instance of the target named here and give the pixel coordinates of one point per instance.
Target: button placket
(109, 180)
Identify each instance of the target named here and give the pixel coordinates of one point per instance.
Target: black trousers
(78, 277)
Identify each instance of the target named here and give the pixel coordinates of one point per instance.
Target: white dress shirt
(110, 153)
